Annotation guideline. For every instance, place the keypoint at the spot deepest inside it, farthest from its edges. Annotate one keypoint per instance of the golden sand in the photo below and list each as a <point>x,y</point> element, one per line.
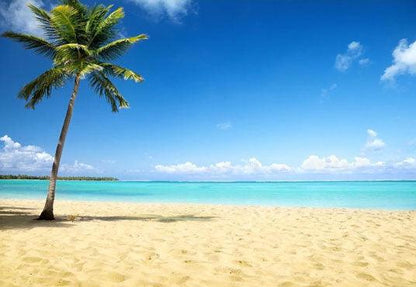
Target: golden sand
<point>123,244</point>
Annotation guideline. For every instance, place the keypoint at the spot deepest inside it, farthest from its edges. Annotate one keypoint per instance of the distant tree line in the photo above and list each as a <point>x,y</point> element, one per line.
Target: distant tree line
<point>24,176</point>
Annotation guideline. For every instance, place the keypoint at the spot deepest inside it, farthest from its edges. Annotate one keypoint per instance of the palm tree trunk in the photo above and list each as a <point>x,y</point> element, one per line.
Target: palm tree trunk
<point>47,213</point>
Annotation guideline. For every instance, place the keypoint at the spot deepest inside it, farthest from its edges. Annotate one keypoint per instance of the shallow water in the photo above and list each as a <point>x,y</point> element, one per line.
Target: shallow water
<point>394,195</point>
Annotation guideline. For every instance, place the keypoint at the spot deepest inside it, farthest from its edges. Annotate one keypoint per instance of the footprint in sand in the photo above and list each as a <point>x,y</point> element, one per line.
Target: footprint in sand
<point>317,284</point>
<point>286,284</point>
<point>235,272</point>
<point>378,258</point>
<point>319,266</point>
<point>396,271</point>
<point>366,277</point>
<point>115,277</point>
<point>152,256</point>
<point>34,259</point>
<point>243,263</point>
<point>183,280</point>
<point>360,264</point>
<point>336,248</point>
<point>63,282</point>
<point>406,265</point>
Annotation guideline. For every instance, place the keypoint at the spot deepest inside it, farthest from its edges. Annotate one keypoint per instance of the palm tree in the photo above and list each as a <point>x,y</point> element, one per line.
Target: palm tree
<point>79,40</point>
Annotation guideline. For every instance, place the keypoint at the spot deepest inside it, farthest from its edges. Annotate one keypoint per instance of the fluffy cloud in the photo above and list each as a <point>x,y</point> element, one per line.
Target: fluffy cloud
<point>16,16</point>
<point>187,167</point>
<point>332,163</point>
<point>312,165</point>
<point>76,168</point>
<point>174,9</point>
<point>224,126</point>
<point>354,51</point>
<point>404,61</point>
<point>17,158</point>
<point>373,142</point>
<point>364,62</point>
<point>251,167</point>
<point>314,162</point>
<point>371,133</point>
<point>409,162</point>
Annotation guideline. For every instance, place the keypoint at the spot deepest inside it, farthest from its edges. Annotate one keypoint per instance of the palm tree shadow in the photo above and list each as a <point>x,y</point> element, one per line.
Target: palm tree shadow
<point>21,217</point>
<point>12,217</point>
<point>150,217</point>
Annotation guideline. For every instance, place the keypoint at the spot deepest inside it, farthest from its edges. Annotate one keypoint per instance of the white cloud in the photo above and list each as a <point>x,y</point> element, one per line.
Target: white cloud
<point>312,167</point>
<point>76,168</point>
<point>404,61</point>
<point>253,166</point>
<point>354,51</point>
<point>16,16</point>
<point>313,164</point>
<point>326,93</point>
<point>373,142</point>
<point>409,162</point>
<point>371,133</point>
<point>174,9</point>
<point>187,167</point>
<point>332,163</point>
<point>354,46</point>
<point>250,167</point>
<point>108,161</point>
<point>364,62</point>
<point>17,158</point>
<point>224,126</point>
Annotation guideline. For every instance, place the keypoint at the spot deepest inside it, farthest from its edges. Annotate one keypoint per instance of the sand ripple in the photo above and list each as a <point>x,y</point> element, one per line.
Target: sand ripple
<point>117,244</point>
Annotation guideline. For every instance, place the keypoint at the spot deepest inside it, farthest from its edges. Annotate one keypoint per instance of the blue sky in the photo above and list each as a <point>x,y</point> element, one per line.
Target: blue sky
<point>233,90</point>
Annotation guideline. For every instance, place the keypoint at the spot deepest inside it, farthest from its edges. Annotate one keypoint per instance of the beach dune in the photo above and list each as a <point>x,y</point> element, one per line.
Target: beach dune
<point>134,244</point>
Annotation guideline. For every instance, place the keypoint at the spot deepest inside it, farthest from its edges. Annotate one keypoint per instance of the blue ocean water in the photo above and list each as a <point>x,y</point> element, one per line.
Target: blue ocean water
<point>394,195</point>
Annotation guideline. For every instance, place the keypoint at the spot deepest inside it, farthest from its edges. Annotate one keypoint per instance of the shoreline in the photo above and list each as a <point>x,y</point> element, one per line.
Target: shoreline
<point>40,202</point>
<point>157,244</point>
<point>230,181</point>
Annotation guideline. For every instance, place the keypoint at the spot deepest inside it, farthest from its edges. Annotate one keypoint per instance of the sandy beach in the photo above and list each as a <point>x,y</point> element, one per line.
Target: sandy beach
<point>128,244</point>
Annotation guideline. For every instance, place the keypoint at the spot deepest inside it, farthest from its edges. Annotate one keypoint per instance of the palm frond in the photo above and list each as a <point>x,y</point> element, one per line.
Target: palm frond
<point>44,18</point>
<point>112,19</point>
<point>104,87</point>
<point>74,47</point>
<point>71,54</point>
<point>80,19</point>
<point>42,86</point>
<point>78,39</point>
<point>38,44</point>
<point>104,31</point>
<point>96,16</point>
<point>89,68</point>
<point>40,14</point>
<point>64,20</point>
<point>81,8</point>
<point>118,47</point>
<point>121,72</point>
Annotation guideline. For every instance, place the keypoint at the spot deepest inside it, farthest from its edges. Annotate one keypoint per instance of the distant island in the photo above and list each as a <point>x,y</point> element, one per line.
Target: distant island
<point>90,178</point>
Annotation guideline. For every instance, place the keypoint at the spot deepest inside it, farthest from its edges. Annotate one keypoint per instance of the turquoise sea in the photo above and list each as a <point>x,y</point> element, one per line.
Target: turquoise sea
<point>394,195</point>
